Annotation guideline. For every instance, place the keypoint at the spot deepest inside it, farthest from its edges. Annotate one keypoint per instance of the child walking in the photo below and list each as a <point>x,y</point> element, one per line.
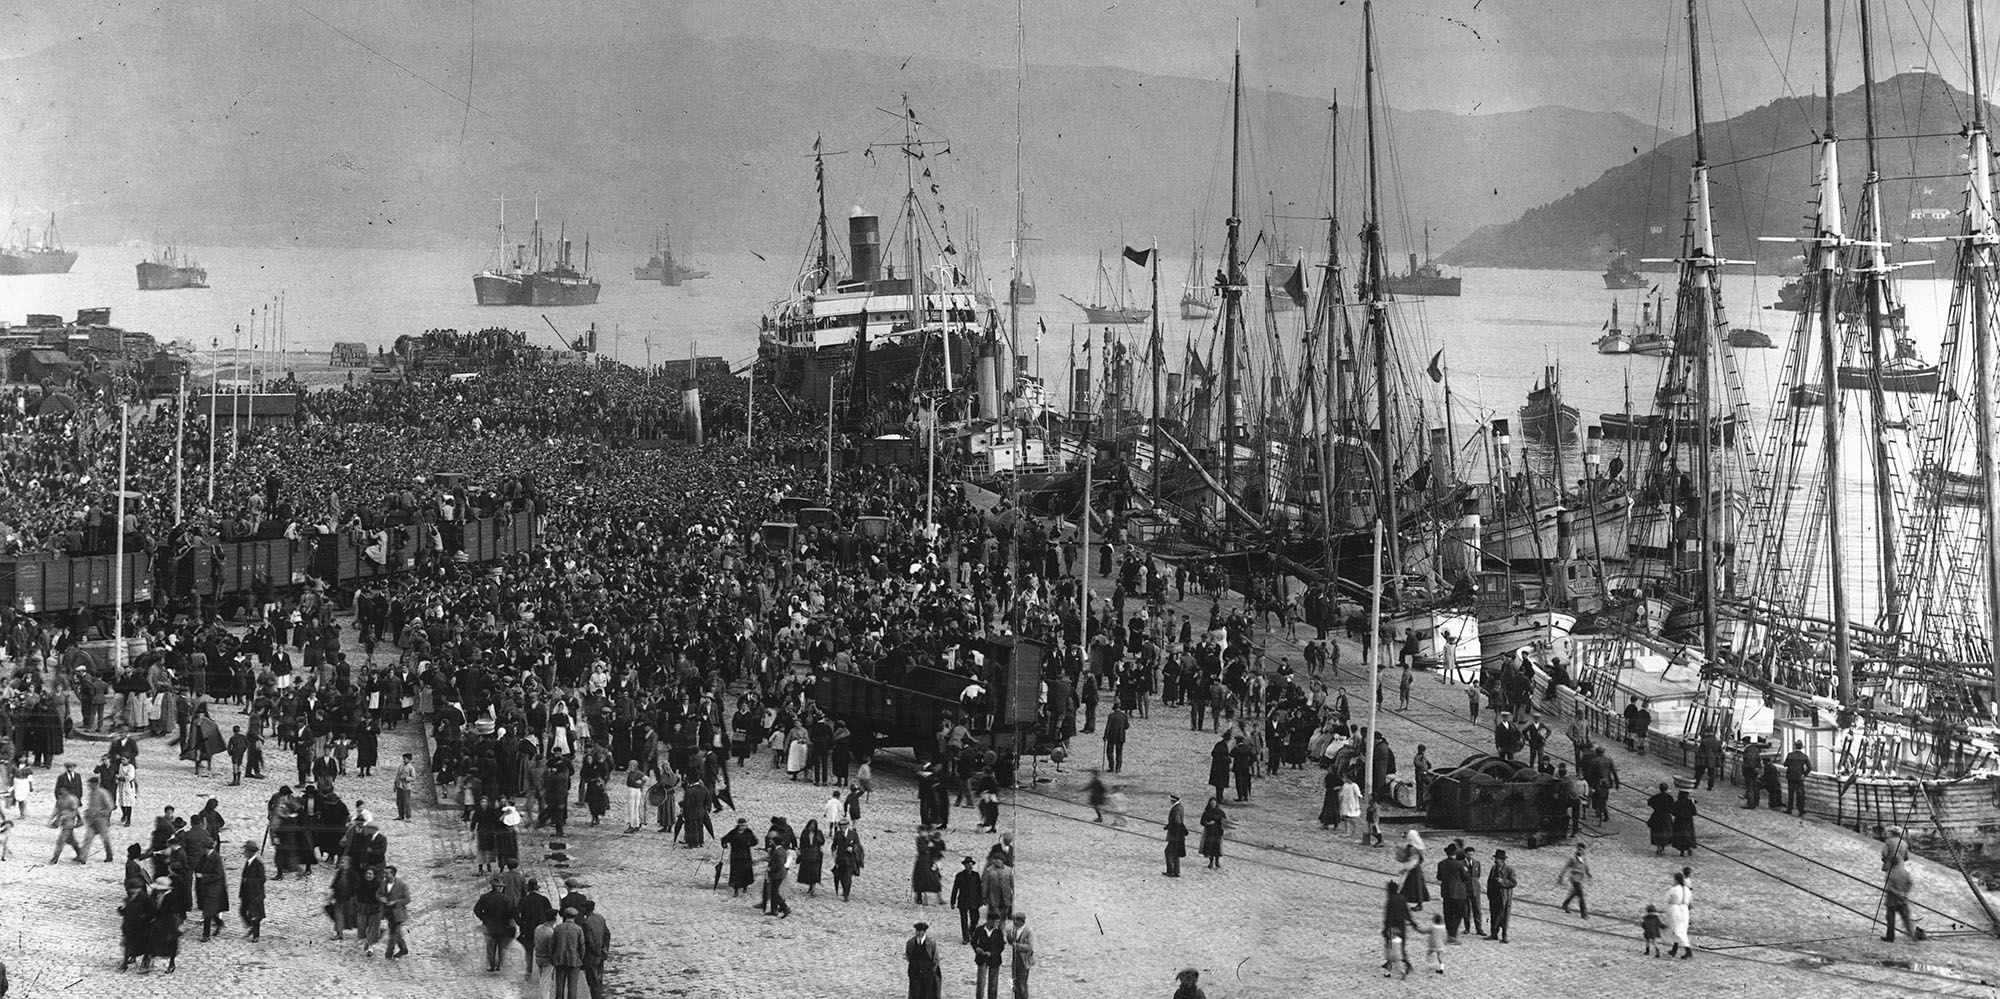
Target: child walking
<point>1651,927</point>
<point>1434,949</point>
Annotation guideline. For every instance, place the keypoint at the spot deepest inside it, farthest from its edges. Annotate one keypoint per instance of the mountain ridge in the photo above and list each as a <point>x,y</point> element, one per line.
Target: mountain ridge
<point>1762,183</point>
<point>262,139</point>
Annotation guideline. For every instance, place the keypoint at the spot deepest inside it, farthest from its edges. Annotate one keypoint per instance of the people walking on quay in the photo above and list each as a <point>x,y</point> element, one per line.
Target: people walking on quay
<point>1575,873</point>
<point>1896,888</point>
<point>1680,899</point>
<point>1396,925</point>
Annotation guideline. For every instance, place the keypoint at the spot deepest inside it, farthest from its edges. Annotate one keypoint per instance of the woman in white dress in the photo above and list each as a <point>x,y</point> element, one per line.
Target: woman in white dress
<point>1679,897</point>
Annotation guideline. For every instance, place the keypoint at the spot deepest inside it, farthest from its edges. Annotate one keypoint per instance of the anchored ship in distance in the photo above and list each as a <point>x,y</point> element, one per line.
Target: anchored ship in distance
<point>37,256</point>
<point>663,266</point>
<point>511,280</point>
<point>169,269</point>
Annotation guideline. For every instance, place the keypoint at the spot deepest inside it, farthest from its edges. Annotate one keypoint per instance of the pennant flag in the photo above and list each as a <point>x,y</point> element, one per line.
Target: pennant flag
<point>1140,257</point>
<point>1436,370</point>
<point>1295,287</point>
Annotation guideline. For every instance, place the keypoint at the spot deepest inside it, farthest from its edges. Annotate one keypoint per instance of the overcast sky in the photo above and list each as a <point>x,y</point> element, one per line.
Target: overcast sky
<point>1456,55</point>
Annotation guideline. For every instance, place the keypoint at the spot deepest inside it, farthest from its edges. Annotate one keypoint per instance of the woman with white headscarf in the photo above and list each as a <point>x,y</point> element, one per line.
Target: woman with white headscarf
<point>1410,862</point>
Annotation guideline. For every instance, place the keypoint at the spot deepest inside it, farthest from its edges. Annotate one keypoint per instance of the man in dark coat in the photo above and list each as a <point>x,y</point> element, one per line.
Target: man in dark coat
<point>1116,724</point>
<point>965,897</point>
<point>921,952</point>
<point>1453,889</point>
<point>1218,766</point>
<point>496,917</point>
<point>1797,766</point>
<point>1708,759</point>
<point>211,890</point>
<point>567,953</point>
<point>695,808</point>
<point>535,911</point>
<point>1177,834</point>
<point>1499,895</point>
<point>989,947</point>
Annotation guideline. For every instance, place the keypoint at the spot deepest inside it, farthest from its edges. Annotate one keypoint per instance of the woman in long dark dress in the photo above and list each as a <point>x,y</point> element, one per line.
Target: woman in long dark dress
<point>485,829</point>
<point>1660,821</point>
<point>1218,767</point>
<point>163,931</point>
<point>1212,818</point>
<point>924,876</point>
<point>1683,831</point>
<point>1416,890</point>
<point>506,840</point>
<point>812,855</point>
<point>848,856</point>
<point>250,891</point>
<point>1329,805</point>
<point>135,926</point>
<point>740,842</point>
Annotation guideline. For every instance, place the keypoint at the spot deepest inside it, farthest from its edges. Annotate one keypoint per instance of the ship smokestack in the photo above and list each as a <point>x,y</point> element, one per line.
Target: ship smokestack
<point>864,244</point>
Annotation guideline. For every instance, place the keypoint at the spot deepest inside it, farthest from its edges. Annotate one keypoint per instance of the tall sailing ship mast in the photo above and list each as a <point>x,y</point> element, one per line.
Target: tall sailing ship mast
<point>1948,580</point>
<point>1692,500</point>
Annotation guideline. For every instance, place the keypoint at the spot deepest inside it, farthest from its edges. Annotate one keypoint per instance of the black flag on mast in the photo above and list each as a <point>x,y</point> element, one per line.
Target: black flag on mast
<point>1140,257</point>
<point>1295,286</point>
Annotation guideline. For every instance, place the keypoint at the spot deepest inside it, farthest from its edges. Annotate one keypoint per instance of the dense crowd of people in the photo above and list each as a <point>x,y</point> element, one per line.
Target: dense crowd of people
<point>652,643</point>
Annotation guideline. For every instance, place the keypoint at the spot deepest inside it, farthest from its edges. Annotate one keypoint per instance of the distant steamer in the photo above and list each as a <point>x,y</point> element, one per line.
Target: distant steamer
<point>511,282</point>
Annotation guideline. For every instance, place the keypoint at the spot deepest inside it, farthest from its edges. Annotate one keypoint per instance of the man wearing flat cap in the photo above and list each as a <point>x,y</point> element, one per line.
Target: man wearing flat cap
<point>922,954</point>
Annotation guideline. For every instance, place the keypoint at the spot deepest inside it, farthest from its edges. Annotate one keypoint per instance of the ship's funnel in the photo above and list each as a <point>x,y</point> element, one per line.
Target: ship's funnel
<point>864,245</point>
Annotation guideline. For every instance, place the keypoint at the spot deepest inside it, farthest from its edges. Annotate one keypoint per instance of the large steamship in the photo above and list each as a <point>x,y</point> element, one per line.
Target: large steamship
<point>883,333</point>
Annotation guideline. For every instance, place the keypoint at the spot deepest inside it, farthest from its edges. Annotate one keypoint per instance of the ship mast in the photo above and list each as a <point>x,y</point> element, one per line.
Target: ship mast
<point>1700,268</point>
<point>1378,311</point>
<point>1020,197</point>
<point>1333,322</point>
<point>501,262</point>
<point>1877,280</point>
<point>1827,245</point>
<point>825,263</point>
<point>1231,290</point>
<point>1979,255</point>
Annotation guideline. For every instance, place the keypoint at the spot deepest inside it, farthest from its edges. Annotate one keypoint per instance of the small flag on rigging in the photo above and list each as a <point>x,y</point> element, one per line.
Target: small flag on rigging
<point>1436,370</point>
<point>1295,287</point>
<point>1140,257</point>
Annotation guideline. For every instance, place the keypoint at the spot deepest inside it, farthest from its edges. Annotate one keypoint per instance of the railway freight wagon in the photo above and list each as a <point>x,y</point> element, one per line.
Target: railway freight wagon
<point>54,585</point>
<point>905,706</point>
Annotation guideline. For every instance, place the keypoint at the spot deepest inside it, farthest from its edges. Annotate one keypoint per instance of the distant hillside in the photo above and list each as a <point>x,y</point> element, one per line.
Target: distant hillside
<point>254,125</point>
<point>1761,183</point>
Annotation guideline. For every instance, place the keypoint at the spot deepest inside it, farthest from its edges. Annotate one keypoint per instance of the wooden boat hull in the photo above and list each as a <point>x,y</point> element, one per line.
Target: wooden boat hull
<point>1598,531</point>
<point>1503,634</point>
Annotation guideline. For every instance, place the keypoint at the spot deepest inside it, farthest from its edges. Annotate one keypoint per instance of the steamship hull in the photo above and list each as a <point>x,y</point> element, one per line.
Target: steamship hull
<point>556,291</point>
<point>901,367</point>
<point>37,262</point>
<point>164,277</point>
<point>500,289</point>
